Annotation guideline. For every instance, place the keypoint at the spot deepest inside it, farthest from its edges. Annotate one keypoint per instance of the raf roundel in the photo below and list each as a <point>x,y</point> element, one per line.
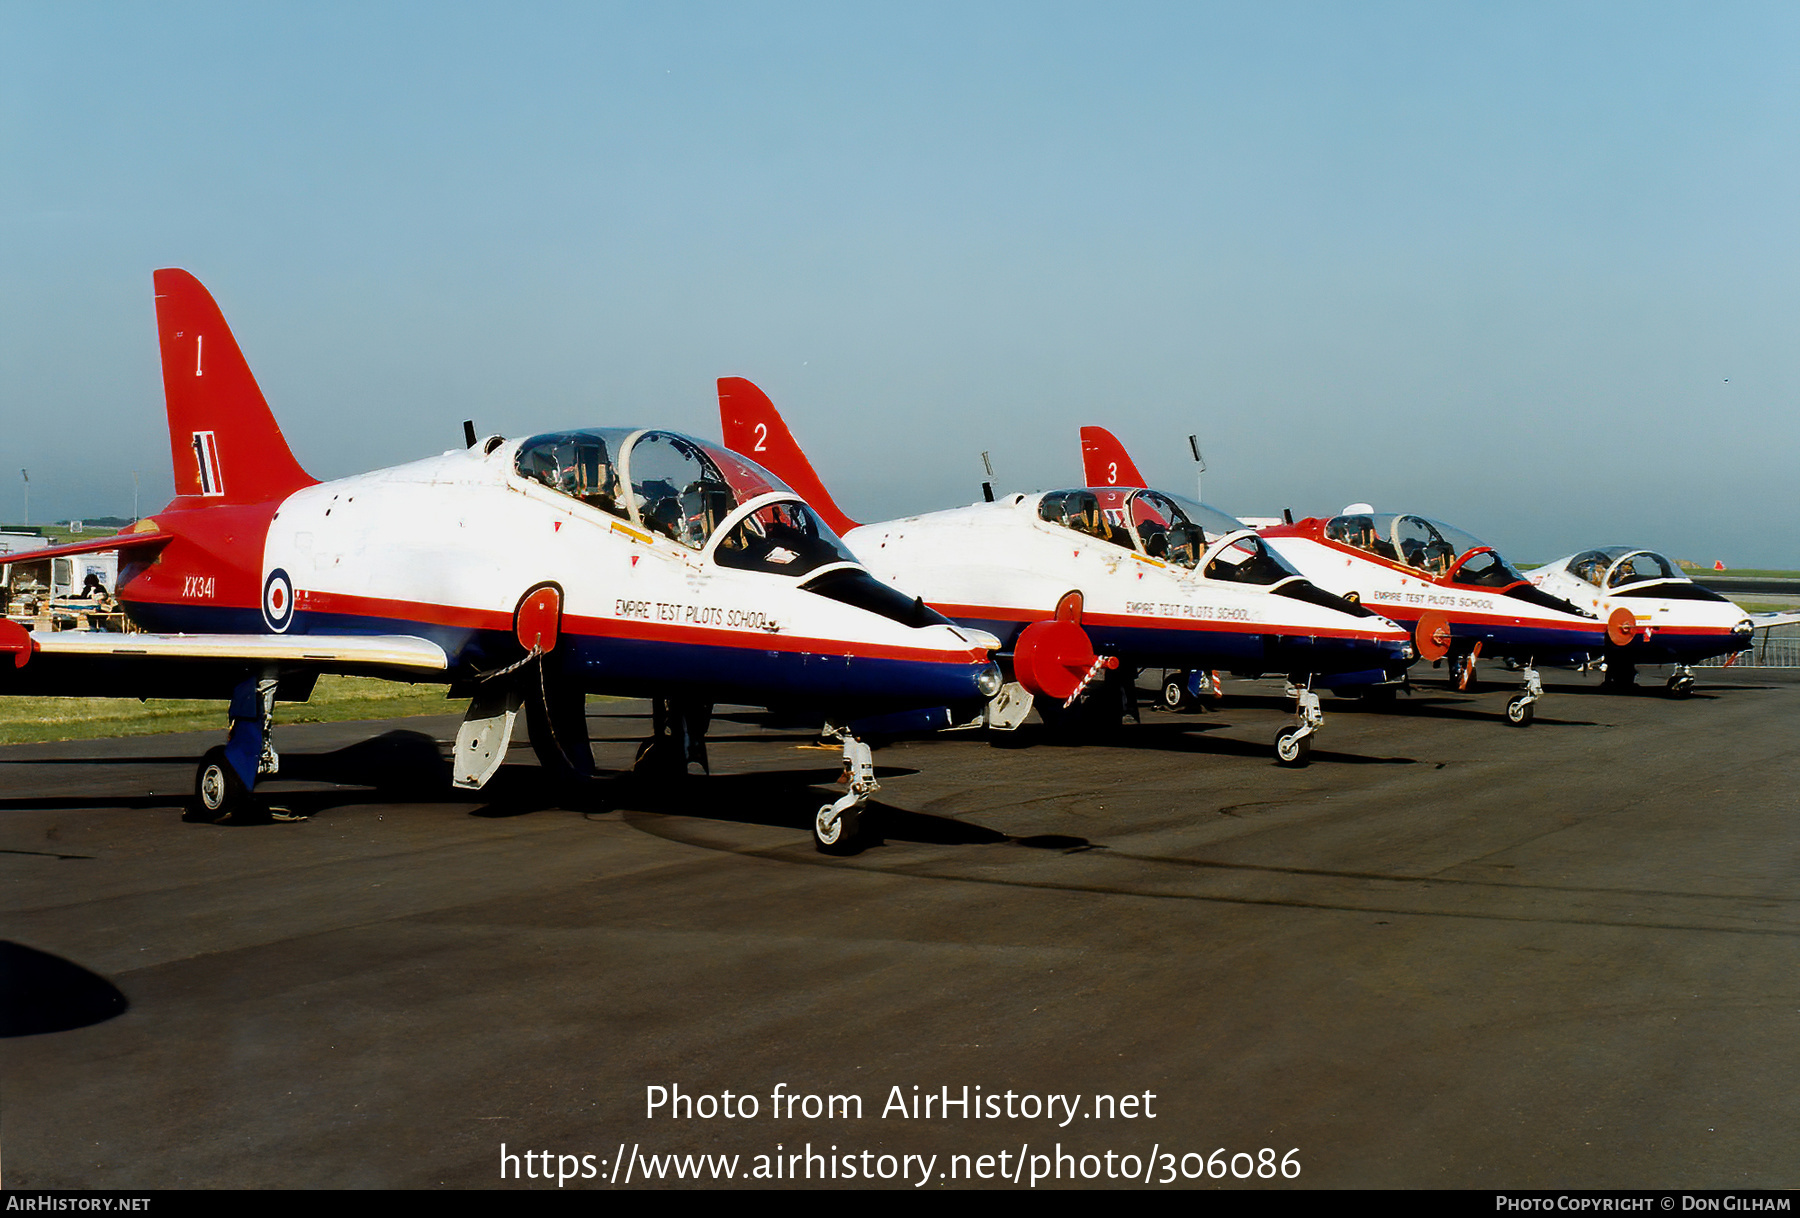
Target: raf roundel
<point>278,600</point>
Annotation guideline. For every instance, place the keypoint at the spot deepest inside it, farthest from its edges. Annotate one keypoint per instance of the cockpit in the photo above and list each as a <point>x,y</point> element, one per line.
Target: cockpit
<point>1165,527</point>
<point>1175,530</point>
<point>1428,546</point>
<point>686,490</point>
<point>1439,551</point>
<point>1623,571</point>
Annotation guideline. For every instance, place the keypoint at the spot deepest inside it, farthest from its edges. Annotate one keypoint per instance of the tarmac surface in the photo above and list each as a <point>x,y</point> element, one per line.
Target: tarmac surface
<point>1448,953</point>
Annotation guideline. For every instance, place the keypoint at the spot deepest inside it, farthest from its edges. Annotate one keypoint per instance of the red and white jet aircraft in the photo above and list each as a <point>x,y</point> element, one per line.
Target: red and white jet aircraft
<point>522,573</point>
<point>1076,583</point>
<point>1678,622</point>
<point>1455,593</point>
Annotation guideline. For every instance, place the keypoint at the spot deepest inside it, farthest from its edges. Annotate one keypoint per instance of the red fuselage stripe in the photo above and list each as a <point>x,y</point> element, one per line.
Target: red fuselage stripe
<point>628,630</point>
<point>1173,625</point>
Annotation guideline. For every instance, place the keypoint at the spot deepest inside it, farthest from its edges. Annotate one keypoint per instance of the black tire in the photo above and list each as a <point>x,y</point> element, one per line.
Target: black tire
<point>1681,685</point>
<point>558,728</point>
<point>845,835</point>
<point>1174,694</point>
<point>1520,710</point>
<point>1292,748</point>
<point>218,791</point>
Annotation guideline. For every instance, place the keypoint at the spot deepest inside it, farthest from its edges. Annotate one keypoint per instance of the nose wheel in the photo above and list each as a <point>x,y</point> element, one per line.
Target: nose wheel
<point>840,827</point>
<point>1681,684</point>
<point>1293,743</point>
<point>1519,710</point>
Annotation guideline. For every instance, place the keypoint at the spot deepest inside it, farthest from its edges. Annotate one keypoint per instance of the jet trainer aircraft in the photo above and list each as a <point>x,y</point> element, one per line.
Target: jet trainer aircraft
<point>1455,593</point>
<point>522,573</point>
<point>1084,587</point>
<point>1678,621</point>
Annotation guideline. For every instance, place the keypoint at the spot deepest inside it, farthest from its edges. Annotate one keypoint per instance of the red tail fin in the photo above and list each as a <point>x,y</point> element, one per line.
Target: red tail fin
<point>754,428</point>
<point>224,442</point>
<point>1104,461</point>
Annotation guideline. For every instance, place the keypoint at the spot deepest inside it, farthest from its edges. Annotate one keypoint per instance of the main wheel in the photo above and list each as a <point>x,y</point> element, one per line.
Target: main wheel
<point>840,836</point>
<point>218,791</point>
<point>556,721</point>
<point>1291,747</point>
<point>1174,694</point>
<point>1519,711</point>
<point>1681,685</point>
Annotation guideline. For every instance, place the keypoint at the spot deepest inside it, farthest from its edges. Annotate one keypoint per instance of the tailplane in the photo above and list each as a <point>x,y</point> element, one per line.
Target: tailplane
<point>754,428</point>
<point>223,440</point>
<point>1104,461</point>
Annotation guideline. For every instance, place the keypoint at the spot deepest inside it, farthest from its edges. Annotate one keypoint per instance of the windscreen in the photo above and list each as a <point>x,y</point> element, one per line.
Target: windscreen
<point>1639,566</point>
<point>1249,560</point>
<point>1486,569</point>
<point>781,538</point>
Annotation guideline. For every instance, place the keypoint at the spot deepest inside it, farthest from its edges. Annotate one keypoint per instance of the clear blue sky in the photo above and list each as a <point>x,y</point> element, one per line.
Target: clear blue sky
<point>1529,268</point>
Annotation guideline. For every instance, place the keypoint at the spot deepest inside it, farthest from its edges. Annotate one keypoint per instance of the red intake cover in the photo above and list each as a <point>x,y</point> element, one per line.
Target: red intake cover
<point>1051,657</point>
<point>1621,626</point>
<point>539,616</point>
<point>1432,637</point>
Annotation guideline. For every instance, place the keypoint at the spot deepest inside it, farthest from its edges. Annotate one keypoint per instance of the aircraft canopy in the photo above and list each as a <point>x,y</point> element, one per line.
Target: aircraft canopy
<point>1176,530</point>
<point>1616,566</point>
<point>684,489</point>
<point>1430,546</point>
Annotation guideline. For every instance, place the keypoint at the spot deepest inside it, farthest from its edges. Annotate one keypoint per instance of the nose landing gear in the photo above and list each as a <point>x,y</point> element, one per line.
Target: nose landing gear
<point>1519,711</point>
<point>1293,743</point>
<point>838,827</point>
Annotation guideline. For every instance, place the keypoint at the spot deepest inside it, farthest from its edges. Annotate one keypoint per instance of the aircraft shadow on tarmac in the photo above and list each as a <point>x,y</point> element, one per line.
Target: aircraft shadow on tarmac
<point>404,766</point>
<point>1420,703</point>
<point>776,808</point>
<point>43,993</point>
<point>1184,734</point>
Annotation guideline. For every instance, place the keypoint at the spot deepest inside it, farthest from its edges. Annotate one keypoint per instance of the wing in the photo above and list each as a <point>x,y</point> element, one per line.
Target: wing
<point>1762,621</point>
<point>99,664</point>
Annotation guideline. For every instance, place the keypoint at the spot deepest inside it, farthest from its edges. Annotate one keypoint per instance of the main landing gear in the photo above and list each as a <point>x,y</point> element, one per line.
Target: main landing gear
<point>839,827</point>
<point>1620,676</point>
<point>227,775</point>
<point>1183,689</point>
<point>677,738</point>
<point>1293,743</point>
<point>1518,709</point>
